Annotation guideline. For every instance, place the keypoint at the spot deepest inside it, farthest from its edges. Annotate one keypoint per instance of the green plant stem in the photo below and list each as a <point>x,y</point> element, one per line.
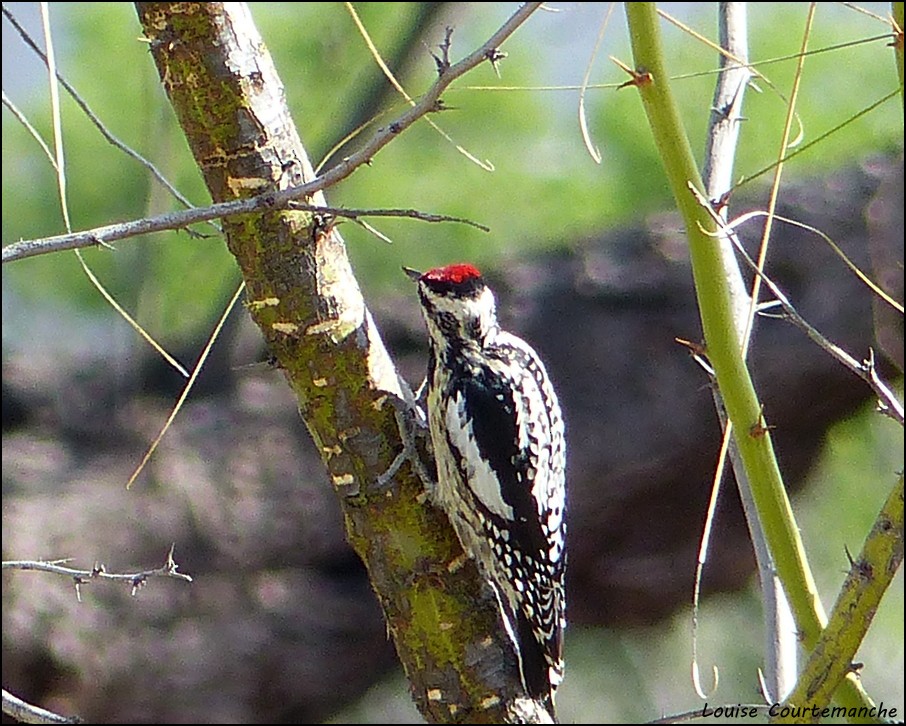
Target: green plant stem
<point>722,341</point>
<point>869,577</point>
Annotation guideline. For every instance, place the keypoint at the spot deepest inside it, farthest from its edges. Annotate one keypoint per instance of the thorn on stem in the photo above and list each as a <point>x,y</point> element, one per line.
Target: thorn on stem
<point>865,571</point>
<point>442,61</point>
<point>637,77</point>
<point>696,348</point>
<point>760,428</point>
<point>897,41</point>
<point>699,353</point>
<point>101,243</point>
<point>720,204</point>
<point>849,556</point>
<point>138,582</point>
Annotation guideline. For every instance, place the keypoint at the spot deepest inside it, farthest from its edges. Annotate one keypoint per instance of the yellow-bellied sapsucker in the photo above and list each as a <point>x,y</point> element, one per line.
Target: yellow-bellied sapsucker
<point>498,440</point>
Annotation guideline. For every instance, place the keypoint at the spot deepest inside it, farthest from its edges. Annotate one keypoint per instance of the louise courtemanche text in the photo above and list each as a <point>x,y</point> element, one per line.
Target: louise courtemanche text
<point>800,712</point>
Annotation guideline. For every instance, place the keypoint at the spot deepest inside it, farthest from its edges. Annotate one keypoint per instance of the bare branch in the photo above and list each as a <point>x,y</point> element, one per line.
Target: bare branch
<point>103,236</point>
<point>409,213</point>
<point>865,369</point>
<point>26,712</point>
<point>22,119</point>
<point>726,112</point>
<point>99,572</point>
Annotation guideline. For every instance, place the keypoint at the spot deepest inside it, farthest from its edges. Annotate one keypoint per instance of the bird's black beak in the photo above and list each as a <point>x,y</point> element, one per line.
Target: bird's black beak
<point>414,275</point>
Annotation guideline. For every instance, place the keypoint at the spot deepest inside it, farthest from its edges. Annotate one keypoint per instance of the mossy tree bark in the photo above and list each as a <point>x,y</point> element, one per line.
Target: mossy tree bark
<point>302,293</point>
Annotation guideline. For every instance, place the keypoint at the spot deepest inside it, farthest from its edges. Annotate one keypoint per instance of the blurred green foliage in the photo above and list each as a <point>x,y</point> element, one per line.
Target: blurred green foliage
<point>545,190</point>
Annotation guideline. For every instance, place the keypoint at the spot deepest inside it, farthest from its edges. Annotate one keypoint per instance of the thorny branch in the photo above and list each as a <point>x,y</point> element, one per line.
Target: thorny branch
<point>25,712</point>
<point>99,572</point>
<point>888,403</point>
<point>103,236</point>
<point>429,103</point>
<point>28,713</point>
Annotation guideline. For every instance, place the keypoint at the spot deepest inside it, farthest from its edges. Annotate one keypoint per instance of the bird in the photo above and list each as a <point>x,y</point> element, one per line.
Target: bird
<point>499,443</point>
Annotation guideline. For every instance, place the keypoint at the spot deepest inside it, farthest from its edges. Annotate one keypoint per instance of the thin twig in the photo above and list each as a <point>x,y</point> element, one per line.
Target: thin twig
<point>865,369</point>
<point>59,156</point>
<point>180,220</point>
<point>196,371</point>
<point>23,119</point>
<point>442,62</point>
<point>723,133</point>
<point>876,289</point>
<point>99,572</point>
<point>590,146</point>
<point>801,148</point>
<point>410,213</point>
<point>781,642</point>
<point>429,103</point>
<point>724,52</point>
<point>27,713</point>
